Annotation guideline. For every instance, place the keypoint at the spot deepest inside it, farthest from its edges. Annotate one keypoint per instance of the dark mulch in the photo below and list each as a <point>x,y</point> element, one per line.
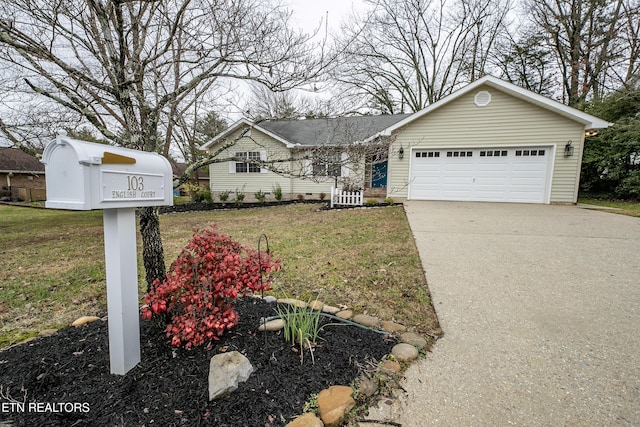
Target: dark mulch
<point>170,386</point>
<point>202,206</point>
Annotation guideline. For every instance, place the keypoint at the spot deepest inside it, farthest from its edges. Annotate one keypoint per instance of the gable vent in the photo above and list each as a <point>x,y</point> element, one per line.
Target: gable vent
<point>482,98</point>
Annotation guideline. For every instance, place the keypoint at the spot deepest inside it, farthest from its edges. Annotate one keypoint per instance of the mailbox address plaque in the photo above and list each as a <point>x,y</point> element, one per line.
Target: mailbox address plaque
<point>119,186</point>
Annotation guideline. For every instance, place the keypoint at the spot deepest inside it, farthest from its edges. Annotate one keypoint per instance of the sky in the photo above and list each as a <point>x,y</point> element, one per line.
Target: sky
<point>307,14</point>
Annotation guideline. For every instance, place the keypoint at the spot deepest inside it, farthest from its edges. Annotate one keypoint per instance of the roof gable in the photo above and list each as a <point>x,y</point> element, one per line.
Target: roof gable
<point>238,125</point>
<point>316,132</point>
<point>589,121</point>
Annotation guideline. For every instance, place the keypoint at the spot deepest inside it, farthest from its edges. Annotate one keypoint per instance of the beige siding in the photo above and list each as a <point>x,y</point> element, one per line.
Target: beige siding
<point>223,180</point>
<point>506,121</point>
<point>292,180</point>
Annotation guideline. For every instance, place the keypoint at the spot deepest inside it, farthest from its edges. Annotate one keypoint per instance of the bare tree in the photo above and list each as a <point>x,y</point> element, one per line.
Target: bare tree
<point>630,38</point>
<point>528,63</point>
<point>489,27</point>
<point>407,54</point>
<point>587,38</point>
<point>140,66</point>
<point>266,104</point>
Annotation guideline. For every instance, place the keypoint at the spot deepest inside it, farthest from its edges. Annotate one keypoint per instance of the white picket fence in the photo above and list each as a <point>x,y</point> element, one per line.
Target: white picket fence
<point>345,198</point>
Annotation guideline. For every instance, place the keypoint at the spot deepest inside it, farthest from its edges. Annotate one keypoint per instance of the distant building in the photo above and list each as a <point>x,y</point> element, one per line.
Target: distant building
<point>21,176</point>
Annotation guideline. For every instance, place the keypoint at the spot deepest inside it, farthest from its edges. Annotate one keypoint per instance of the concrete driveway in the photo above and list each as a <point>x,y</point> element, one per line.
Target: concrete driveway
<point>540,306</point>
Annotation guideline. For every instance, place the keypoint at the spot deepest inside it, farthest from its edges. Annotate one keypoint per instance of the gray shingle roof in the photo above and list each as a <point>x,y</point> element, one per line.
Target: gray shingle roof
<point>16,160</point>
<point>330,131</point>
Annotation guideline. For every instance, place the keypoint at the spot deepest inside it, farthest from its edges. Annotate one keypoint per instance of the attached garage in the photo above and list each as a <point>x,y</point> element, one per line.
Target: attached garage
<point>490,141</point>
<point>492,174</point>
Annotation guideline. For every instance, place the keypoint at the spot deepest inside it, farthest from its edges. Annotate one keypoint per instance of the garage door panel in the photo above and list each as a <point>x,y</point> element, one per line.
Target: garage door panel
<point>519,167</point>
<point>527,181</point>
<point>523,197</point>
<point>490,184</point>
<point>458,169</point>
<point>495,174</point>
<point>489,196</point>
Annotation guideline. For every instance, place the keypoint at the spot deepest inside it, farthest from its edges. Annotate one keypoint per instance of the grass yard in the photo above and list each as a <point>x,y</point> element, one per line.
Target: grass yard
<point>619,207</point>
<point>363,258</point>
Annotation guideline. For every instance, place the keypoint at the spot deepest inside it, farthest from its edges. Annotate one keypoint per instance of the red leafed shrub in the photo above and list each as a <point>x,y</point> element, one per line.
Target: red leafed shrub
<point>210,273</point>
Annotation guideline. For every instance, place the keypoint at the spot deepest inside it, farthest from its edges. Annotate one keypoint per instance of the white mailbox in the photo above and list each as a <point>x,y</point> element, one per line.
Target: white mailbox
<point>84,175</point>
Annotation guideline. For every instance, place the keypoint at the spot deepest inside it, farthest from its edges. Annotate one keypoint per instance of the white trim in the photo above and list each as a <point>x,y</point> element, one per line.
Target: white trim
<point>552,166</point>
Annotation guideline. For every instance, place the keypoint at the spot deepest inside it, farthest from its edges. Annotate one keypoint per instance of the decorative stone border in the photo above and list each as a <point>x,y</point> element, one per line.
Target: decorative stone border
<point>335,402</point>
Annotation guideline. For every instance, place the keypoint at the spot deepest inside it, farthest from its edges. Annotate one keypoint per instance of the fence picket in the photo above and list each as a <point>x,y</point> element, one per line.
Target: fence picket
<point>346,198</point>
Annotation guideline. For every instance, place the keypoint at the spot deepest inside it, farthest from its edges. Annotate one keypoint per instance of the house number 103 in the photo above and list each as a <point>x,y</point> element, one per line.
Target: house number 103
<point>135,183</point>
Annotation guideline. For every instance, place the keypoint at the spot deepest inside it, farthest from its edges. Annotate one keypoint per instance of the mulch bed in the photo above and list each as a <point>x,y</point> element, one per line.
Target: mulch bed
<point>67,381</point>
<point>202,206</point>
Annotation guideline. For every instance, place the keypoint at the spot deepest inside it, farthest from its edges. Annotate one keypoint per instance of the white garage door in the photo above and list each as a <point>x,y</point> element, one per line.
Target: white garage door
<point>487,174</point>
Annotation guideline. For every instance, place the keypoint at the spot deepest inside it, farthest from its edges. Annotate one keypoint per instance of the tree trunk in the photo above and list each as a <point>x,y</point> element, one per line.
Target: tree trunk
<point>152,251</point>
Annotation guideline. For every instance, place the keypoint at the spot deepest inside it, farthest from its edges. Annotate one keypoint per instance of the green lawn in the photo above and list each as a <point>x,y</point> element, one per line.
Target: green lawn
<point>619,207</point>
<point>363,258</point>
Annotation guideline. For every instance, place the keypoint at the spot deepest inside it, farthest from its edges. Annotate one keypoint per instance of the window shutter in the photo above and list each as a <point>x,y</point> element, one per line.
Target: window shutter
<point>232,167</point>
<point>263,158</point>
<point>306,164</point>
<point>344,166</point>
<point>308,167</point>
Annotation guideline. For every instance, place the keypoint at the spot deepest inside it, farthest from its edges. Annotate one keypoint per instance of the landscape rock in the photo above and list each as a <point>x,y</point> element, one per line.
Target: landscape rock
<point>392,327</point>
<point>405,352</point>
<point>272,325</point>
<point>84,320</point>
<point>390,367</point>
<point>345,314</point>
<point>330,309</point>
<point>270,299</point>
<point>306,420</point>
<point>226,370</point>
<point>47,332</point>
<point>413,339</point>
<point>292,301</point>
<point>366,320</point>
<point>334,403</point>
<point>367,386</point>
<point>316,305</point>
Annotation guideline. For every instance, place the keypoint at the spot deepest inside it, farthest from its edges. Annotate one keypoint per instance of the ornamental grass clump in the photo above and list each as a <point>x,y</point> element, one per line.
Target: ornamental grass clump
<point>301,327</point>
<point>198,295</point>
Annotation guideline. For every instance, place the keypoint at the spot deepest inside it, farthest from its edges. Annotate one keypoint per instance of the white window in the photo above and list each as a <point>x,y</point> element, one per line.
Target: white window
<point>327,164</point>
<point>248,167</point>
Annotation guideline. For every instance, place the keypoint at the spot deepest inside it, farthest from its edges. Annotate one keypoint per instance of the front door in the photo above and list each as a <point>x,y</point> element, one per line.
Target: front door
<point>379,175</point>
